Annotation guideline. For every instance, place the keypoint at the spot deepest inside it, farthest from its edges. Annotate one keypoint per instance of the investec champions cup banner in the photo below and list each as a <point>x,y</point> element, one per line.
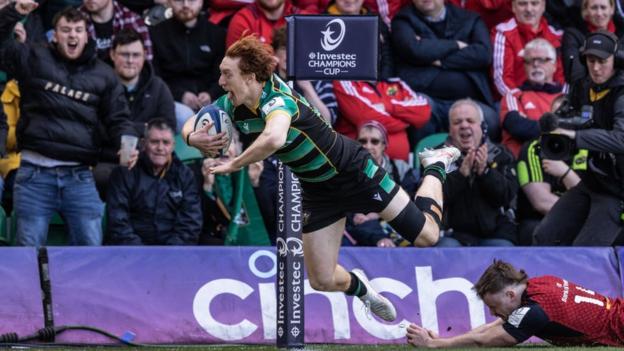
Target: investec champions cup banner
<point>333,47</point>
<point>228,294</point>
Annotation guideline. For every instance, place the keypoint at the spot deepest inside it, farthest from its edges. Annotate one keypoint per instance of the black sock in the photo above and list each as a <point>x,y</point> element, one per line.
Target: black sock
<point>437,170</point>
<point>356,287</point>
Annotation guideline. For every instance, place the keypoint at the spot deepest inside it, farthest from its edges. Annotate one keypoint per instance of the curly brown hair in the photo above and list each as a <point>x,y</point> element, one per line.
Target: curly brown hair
<point>497,276</point>
<point>256,57</point>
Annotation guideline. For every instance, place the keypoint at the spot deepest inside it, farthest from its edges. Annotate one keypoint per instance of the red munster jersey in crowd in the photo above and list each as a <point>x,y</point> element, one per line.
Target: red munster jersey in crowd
<point>564,313</point>
<point>251,20</point>
<point>509,39</point>
<point>391,103</point>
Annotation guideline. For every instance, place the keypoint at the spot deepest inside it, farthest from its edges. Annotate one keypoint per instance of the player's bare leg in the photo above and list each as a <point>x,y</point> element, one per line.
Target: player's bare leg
<point>419,221</point>
<point>321,249</point>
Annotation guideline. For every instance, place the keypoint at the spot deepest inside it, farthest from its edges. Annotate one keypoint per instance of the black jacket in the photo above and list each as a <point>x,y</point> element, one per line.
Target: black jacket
<point>146,209</point>
<point>476,205</point>
<point>414,57</point>
<point>605,139</point>
<point>150,100</point>
<point>188,58</point>
<point>573,38</point>
<point>64,103</point>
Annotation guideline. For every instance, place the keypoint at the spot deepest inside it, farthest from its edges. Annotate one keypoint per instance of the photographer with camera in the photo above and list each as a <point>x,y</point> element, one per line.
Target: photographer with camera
<point>589,213</point>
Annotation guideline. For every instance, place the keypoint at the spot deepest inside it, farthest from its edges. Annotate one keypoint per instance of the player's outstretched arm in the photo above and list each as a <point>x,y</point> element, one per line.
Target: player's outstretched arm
<point>491,334</point>
<point>273,137</point>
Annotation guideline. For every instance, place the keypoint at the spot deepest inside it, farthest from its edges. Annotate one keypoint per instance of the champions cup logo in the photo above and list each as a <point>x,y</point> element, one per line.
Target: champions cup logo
<point>294,245</point>
<point>328,42</point>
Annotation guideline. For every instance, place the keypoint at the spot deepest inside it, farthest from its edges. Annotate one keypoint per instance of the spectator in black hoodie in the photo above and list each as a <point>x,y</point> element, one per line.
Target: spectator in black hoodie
<point>67,94</point>
<point>187,52</point>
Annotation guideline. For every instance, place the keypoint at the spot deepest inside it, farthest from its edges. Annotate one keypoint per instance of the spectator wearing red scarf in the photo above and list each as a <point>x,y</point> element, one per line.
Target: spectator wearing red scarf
<point>510,37</point>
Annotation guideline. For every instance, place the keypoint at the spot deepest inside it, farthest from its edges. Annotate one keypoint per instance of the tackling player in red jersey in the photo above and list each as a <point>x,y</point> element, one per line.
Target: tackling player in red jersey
<point>551,308</point>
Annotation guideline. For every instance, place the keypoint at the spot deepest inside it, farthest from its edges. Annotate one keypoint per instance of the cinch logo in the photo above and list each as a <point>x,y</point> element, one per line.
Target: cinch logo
<point>328,42</point>
<point>296,246</point>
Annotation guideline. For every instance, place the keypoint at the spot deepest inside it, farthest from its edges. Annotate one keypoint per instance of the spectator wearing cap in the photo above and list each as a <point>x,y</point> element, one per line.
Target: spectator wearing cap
<point>589,213</point>
<point>597,15</point>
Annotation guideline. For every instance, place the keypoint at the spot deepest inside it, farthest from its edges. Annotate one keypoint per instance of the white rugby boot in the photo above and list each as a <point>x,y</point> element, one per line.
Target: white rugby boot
<point>375,302</point>
<point>446,155</point>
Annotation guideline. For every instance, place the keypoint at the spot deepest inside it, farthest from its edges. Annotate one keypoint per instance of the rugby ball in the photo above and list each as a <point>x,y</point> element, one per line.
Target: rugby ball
<point>221,123</point>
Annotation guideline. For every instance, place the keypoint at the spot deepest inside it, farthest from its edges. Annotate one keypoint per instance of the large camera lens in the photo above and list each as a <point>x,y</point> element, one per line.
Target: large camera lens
<point>556,147</point>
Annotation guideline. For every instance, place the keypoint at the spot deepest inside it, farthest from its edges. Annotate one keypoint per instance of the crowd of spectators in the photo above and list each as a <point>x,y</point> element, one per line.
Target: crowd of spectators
<point>76,76</point>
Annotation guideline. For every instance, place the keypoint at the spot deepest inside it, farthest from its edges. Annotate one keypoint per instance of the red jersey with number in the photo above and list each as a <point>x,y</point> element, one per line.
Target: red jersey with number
<point>564,313</point>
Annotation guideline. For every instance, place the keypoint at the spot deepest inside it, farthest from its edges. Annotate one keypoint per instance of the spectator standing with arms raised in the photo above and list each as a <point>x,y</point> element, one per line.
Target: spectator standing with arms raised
<point>68,93</point>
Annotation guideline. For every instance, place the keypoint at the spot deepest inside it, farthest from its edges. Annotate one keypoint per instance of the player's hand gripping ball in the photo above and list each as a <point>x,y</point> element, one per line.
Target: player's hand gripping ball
<point>221,123</point>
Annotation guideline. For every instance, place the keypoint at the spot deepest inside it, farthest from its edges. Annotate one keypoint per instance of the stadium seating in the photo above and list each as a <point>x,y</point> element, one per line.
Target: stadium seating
<point>185,153</point>
<point>429,141</point>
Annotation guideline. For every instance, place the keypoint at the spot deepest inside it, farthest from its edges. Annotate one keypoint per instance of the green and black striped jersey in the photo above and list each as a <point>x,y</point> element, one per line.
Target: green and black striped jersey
<point>313,150</point>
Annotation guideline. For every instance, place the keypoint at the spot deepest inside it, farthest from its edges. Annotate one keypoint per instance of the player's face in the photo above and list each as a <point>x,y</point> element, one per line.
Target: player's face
<point>465,127</point>
<point>372,140</point>
<point>528,11</point>
<point>128,60</point>
<point>159,146</point>
<point>70,38</point>
<point>599,12</point>
<point>600,70</point>
<point>236,84</point>
<point>502,303</point>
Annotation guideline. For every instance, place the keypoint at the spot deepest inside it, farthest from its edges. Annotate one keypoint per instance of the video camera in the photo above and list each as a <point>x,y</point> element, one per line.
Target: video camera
<point>560,147</point>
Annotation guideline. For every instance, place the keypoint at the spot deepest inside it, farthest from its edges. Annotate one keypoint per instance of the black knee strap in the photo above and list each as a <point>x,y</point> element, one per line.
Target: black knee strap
<point>430,206</point>
<point>409,222</point>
